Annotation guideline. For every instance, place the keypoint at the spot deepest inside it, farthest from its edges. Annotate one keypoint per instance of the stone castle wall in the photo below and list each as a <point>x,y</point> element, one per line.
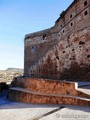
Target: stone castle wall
<point>63,51</point>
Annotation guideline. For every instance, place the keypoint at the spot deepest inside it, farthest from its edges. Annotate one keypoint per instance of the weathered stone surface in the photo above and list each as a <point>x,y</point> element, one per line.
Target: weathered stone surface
<point>22,96</point>
<point>45,86</point>
<point>63,51</point>
<point>60,53</point>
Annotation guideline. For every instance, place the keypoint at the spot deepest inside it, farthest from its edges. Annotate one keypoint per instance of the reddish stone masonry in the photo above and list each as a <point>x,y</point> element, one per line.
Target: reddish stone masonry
<point>20,96</point>
<point>36,90</point>
<point>61,52</point>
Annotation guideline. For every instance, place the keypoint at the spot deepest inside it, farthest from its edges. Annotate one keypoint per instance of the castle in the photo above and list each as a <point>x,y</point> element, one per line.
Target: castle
<point>55,55</point>
<point>51,53</point>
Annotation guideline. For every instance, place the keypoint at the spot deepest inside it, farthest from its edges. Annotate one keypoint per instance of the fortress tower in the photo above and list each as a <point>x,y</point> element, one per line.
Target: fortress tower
<point>52,52</point>
<point>55,55</point>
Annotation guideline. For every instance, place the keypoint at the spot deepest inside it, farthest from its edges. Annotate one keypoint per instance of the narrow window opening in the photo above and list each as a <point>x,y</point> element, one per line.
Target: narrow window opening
<point>71,24</point>
<point>88,56</point>
<point>71,16</point>
<point>85,3</point>
<point>33,49</point>
<point>44,37</point>
<point>85,13</point>
<point>63,31</point>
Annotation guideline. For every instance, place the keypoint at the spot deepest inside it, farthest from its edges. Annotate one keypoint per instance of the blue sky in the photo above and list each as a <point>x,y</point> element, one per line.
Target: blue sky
<point>20,17</point>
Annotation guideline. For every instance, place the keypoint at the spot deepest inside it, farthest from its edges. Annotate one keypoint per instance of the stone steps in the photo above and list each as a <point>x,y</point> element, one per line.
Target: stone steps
<point>24,95</point>
<point>56,95</point>
<point>83,90</point>
<point>48,86</point>
<point>45,91</point>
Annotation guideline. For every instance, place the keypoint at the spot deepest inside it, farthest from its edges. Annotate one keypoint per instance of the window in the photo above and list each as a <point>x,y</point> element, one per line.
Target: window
<point>63,31</point>
<point>85,13</point>
<point>44,37</point>
<point>88,56</point>
<point>85,3</point>
<point>61,25</point>
<point>71,16</point>
<point>71,24</point>
<point>33,49</point>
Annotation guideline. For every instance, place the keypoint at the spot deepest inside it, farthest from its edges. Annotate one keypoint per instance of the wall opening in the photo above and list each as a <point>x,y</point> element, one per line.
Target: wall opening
<point>88,56</point>
<point>86,12</point>
<point>63,51</point>
<point>71,16</point>
<point>71,23</point>
<point>72,49</point>
<point>85,3</point>
<point>44,37</point>
<point>81,43</point>
<point>63,31</point>
<point>57,57</point>
<point>33,49</point>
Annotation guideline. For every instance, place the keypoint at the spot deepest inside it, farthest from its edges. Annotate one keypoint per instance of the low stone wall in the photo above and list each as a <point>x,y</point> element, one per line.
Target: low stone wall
<point>20,96</point>
<point>46,86</point>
